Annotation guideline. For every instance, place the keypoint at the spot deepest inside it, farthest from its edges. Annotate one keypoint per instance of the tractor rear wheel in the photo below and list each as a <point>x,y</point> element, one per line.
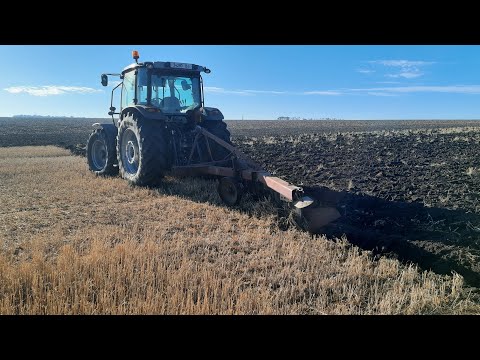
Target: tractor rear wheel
<point>101,153</point>
<point>219,129</point>
<point>142,150</point>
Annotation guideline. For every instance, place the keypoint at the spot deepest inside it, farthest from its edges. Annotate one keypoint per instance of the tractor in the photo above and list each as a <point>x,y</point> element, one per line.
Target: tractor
<point>164,128</point>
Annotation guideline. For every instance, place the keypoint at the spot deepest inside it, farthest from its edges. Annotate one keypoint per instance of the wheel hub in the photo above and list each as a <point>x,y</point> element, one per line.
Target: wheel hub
<point>230,191</point>
<point>99,154</point>
<point>131,152</point>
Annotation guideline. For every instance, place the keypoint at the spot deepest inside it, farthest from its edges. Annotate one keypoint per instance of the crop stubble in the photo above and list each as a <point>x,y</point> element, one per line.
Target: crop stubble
<point>73,243</point>
<point>411,187</point>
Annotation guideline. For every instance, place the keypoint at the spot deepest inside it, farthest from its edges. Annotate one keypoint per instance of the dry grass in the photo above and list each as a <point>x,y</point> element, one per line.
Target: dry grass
<point>75,244</point>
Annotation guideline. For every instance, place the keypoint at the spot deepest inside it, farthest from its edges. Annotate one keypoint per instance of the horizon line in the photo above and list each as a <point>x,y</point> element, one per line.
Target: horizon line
<point>20,116</point>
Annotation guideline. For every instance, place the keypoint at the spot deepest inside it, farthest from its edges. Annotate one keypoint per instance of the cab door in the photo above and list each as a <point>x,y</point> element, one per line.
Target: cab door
<point>128,89</point>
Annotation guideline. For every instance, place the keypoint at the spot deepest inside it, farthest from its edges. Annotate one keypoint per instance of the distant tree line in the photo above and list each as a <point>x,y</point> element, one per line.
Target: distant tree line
<point>299,118</point>
<point>45,116</point>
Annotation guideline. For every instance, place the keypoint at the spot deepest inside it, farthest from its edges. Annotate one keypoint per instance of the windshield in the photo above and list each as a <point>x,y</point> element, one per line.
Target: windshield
<point>171,93</point>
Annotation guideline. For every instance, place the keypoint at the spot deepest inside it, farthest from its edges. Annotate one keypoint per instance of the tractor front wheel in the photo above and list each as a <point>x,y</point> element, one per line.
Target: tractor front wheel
<point>101,153</point>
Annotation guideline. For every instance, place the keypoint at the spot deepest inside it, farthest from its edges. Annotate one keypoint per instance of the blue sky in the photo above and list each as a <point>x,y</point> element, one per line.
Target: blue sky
<point>260,81</point>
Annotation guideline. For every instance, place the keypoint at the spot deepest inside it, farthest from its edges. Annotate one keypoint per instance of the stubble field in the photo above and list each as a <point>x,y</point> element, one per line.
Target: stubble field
<point>408,191</point>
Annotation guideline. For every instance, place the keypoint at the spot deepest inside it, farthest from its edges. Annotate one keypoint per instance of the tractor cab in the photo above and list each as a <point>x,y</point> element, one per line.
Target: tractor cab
<point>172,91</point>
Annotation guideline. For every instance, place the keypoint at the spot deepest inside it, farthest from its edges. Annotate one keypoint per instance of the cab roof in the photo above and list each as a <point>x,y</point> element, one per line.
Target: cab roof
<point>168,65</point>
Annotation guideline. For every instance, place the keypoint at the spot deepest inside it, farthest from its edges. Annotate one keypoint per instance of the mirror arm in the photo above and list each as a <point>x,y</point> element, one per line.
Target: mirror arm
<point>112,109</point>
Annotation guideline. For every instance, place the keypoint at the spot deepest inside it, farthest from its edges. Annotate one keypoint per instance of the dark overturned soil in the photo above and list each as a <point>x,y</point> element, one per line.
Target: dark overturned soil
<point>413,193</point>
<point>410,189</point>
<point>73,131</point>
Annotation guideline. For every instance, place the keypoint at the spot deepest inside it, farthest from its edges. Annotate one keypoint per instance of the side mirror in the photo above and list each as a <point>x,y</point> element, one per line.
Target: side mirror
<point>104,80</point>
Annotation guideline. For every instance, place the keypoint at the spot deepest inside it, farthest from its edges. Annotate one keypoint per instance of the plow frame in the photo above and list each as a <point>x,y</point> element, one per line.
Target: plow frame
<point>235,165</point>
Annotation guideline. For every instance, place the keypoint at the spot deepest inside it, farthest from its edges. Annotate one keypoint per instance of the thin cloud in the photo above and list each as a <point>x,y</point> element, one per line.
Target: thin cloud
<point>365,71</point>
<point>401,63</point>
<point>451,89</point>
<point>49,90</point>
<point>406,74</point>
<point>388,82</point>
<point>274,92</point>
<point>377,93</point>
<point>398,90</point>
<point>408,69</point>
<point>219,90</point>
<point>322,92</point>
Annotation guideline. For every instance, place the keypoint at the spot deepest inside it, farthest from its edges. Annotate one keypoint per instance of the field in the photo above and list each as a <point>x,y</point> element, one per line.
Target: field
<point>408,192</point>
<point>414,191</point>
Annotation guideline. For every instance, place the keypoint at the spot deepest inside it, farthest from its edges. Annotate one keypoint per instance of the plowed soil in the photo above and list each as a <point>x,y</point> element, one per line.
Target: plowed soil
<point>413,193</point>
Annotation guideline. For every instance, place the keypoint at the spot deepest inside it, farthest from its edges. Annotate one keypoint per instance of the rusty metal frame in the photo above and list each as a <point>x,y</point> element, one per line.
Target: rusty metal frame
<point>237,165</point>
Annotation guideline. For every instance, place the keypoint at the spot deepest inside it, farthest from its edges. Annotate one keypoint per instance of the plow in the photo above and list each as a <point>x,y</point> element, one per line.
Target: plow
<point>164,129</point>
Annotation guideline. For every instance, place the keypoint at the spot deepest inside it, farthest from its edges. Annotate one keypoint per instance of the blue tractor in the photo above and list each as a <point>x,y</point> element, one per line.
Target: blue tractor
<point>163,127</point>
<point>161,103</point>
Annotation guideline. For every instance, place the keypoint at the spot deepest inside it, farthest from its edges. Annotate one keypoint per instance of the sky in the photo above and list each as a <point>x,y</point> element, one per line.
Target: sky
<point>257,81</point>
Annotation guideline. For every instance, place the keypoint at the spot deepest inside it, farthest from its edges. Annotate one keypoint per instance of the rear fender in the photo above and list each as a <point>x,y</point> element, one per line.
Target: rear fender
<point>143,112</point>
<point>212,114</point>
<point>109,129</point>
